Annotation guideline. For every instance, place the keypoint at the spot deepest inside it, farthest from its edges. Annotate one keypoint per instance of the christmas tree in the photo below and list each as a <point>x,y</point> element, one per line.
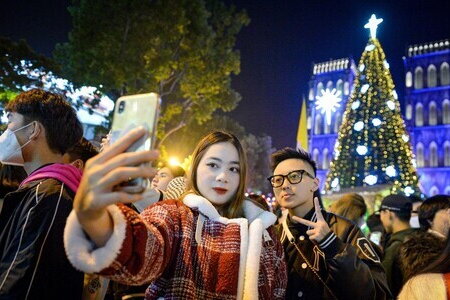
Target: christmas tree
<point>373,145</point>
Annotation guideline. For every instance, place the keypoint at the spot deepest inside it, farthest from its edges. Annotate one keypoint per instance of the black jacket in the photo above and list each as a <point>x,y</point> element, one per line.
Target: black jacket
<point>349,266</point>
<point>391,260</point>
<point>33,263</point>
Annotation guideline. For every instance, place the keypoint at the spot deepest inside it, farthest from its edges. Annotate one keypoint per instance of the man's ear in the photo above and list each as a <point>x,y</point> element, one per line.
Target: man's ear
<point>37,130</point>
<point>316,184</point>
<point>78,163</point>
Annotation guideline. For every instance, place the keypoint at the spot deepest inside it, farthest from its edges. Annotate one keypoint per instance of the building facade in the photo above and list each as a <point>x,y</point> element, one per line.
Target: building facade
<point>427,113</point>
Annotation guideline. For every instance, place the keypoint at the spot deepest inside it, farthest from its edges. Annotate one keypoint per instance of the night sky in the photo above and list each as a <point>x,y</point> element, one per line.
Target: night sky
<point>277,49</point>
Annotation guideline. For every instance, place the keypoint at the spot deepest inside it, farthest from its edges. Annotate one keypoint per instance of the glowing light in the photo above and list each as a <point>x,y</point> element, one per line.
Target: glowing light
<point>335,183</point>
<point>390,104</point>
<point>405,138</point>
<point>362,150</point>
<point>370,47</point>
<point>173,161</point>
<point>372,25</point>
<point>361,67</point>
<point>386,64</point>
<point>394,93</point>
<point>376,122</point>
<point>328,103</point>
<point>409,191</point>
<point>358,126</point>
<point>391,172</point>
<point>371,179</point>
<point>414,163</point>
<point>364,88</point>
<point>356,104</point>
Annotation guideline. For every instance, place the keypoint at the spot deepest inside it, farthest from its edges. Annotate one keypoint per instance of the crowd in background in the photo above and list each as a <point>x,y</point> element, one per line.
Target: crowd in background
<point>69,232</point>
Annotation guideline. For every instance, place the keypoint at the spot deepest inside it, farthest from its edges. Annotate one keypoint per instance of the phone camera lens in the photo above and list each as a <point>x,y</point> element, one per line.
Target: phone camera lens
<point>121,106</point>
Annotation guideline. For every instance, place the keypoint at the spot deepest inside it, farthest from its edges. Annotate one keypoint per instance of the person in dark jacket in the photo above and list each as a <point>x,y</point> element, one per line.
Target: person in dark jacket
<point>42,126</point>
<point>328,257</point>
<point>395,212</point>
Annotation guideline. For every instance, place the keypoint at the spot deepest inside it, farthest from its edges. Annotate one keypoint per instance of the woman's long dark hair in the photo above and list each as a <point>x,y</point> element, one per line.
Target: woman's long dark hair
<point>442,263</point>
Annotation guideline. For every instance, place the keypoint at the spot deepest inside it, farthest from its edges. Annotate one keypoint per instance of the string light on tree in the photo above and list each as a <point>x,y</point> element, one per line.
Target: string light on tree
<point>373,144</point>
<point>328,102</point>
<point>409,191</point>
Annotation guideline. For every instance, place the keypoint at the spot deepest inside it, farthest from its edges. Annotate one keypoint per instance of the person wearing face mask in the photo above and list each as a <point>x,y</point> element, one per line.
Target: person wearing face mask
<point>328,257</point>
<point>209,244</point>
<point>416,202</point>
<point>42,126</point>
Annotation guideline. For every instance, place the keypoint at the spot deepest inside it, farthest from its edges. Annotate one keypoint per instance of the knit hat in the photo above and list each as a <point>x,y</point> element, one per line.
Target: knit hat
<point>175,188</point>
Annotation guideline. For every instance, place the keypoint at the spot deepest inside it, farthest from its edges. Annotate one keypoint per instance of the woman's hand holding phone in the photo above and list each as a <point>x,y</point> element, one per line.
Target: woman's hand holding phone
<point>101,174</point>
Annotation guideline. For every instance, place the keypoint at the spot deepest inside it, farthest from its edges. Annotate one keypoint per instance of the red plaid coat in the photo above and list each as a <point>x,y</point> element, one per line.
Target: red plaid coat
<point>186,250</point>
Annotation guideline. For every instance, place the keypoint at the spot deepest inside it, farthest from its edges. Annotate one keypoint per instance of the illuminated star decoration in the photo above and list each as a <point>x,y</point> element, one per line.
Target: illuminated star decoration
<point>328,103</point>
<point>372,25</point>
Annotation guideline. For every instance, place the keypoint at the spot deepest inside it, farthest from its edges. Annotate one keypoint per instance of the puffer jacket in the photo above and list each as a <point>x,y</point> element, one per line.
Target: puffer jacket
<point>344,260</point>
<point>186,250</point>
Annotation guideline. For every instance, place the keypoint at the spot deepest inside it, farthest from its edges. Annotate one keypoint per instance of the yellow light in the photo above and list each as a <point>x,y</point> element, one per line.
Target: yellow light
<point>173,161</point>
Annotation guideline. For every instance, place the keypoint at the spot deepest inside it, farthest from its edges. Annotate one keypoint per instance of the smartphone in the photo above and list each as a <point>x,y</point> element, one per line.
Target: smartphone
<point>130,112</point>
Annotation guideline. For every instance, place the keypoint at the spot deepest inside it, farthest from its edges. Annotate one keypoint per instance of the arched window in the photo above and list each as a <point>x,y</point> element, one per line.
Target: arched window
<point>446,111</point>
<point>326,159</point>
<point>432,113</point>
<point>337,122</point>
<point>447,154</point>
<point>433,155</point>
<point>408,112</point>
<point>346,88</point>
<point>445,74</point>
<point>340,86</point>
<point>326,126</point>
<point>419,114</point>
<point>419,155</point>
<point>319,89</point>
<point>431,76</point>
<point>316,157</point>
<point>311,94</point>
<point>330,85</point>
<point>418,78</point>
<point>434,191</point>
<point>318,124</point>
<point>447,191</point>
<point>408,79</point>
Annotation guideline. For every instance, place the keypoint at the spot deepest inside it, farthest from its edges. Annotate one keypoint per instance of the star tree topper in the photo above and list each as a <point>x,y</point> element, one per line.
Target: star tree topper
<point>373,25</point>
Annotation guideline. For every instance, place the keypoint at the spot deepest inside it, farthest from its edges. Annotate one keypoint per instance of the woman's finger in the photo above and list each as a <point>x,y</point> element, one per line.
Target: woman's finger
<point>310,232</point>
<point>107,199</point>
<point>120,146</point>
<point>123,174</point>
<point>128,159</point>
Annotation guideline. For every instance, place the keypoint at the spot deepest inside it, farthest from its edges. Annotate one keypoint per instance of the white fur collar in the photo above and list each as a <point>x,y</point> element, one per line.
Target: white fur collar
<point>251,211</point>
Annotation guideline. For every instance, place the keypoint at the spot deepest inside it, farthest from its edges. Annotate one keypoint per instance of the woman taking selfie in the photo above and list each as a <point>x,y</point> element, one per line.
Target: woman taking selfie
<point>210,245</point>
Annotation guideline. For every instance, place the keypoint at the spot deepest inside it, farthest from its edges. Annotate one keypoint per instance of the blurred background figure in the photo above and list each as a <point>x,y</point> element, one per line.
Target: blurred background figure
<point>416,202</point>
<point>434,215</point>
<point>80,153</point>
<point>10,179</point>
<point>432,281</point>
<point>165,174</point>
<point>375,229</point>
<point>352,207</point>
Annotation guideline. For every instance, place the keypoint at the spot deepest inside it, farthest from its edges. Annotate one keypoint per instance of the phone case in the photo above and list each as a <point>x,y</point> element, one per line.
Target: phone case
<point>130,112</point>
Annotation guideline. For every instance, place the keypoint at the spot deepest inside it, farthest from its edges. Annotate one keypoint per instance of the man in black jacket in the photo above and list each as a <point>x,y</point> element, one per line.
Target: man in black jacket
<point>42,126</point>
<point>328,257</point>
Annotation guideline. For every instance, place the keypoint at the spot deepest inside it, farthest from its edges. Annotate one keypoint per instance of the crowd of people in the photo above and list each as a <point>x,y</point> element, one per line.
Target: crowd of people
<point>68,231</point>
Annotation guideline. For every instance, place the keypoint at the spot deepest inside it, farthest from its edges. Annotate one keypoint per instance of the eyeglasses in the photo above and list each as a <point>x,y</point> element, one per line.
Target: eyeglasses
<point>293,177</point>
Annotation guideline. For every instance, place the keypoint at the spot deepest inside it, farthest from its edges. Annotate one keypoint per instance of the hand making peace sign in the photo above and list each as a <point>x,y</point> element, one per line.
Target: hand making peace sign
<point>320,228</point>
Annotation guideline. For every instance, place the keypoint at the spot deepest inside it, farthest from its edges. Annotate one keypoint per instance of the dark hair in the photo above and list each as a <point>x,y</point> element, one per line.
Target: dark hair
<point>402,215</point>
<point>10,178</point>
<point>62,128</point>
<point>430,207</point>
<point>287,153</point>
<point>83,150</point>
<point>234,208</point>
<point>259,201</point>
<point>442,263</point>
<point>176,171</point>
<point>374,223</point>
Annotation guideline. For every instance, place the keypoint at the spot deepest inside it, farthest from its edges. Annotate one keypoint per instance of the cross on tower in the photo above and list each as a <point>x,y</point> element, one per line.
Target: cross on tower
<point>372,25</point>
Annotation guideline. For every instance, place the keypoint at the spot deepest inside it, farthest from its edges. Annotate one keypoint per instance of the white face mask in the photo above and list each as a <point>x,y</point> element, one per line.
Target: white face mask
<point>10,149</point>
<point>414,222</point>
